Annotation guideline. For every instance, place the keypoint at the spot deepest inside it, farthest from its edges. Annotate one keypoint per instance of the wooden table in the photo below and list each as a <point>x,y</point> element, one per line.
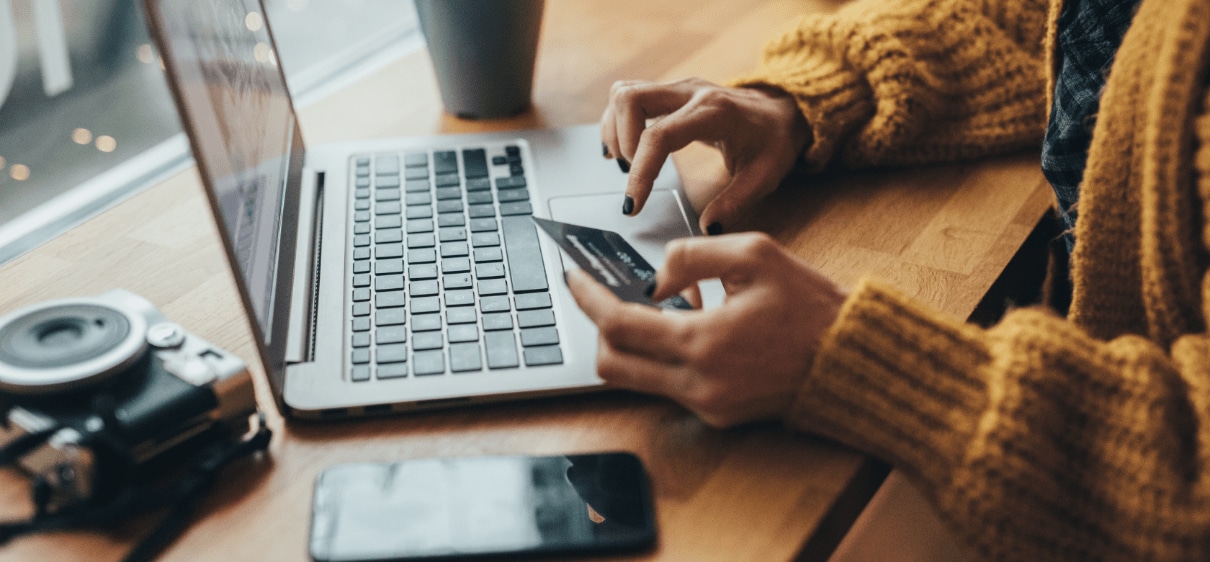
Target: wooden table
<point>759,492</point>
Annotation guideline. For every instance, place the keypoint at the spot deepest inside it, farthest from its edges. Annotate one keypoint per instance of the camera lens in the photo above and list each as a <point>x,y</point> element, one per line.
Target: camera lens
<point>61,345</point>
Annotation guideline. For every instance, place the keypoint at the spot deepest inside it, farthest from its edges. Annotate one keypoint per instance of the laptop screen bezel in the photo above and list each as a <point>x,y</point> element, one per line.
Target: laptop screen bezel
<point>272,349</point>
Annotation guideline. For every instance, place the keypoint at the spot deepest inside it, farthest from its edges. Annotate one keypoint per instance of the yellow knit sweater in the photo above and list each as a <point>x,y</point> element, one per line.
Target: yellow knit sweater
<point>1042,437</point>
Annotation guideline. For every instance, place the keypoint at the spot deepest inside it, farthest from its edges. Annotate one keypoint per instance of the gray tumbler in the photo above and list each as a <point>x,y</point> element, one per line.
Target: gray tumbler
<point>483,53</point>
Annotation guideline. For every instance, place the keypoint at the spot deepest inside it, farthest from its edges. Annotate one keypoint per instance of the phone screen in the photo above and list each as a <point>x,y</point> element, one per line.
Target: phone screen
<point>479,506</point>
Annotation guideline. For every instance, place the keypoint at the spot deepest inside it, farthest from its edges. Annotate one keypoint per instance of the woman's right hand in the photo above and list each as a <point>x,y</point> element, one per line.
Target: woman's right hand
<point>760,132</point>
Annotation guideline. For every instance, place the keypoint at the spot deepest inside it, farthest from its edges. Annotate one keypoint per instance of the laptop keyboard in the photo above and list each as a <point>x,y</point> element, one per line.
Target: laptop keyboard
<point>447,273</point>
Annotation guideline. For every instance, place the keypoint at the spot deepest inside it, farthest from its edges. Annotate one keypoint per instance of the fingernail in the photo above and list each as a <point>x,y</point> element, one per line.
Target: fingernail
<point>624,165</point>
<point>714,229</point>
<point>604,150</point>
<point>650,290</point>
<point>628,205</point>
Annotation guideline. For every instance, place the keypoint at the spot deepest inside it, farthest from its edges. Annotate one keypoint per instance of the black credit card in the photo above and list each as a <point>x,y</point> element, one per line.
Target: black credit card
<point>609,259</point>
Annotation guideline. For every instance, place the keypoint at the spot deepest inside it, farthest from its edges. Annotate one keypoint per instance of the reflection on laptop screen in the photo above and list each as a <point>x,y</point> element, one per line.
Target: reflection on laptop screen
<point>239,110</point>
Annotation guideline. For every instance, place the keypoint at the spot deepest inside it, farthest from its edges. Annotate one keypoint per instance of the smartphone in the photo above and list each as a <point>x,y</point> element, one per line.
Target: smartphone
<point>482,507</point>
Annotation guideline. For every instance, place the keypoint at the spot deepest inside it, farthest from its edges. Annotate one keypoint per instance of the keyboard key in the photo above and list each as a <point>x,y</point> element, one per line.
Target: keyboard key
<point>388,236</point>
<point>416,173</point>
<point>457,281</point>
<point>361,228</point>
<point>461,315</point>
<point>533,300</point>
<point>361,309</point>
<point>424,288</point>
<point>361,339</point>
<point>484,239</point>
<point>454,250</point>
<point>544,355</point>
<point>426,322</point>
<point>360,356</point>
<point>474,185</point>
<point>386,165</point>
<point>390,317</point>
<point>388,283</point>
<point>511,195</point>
<point>385,182</point>
<point>425,304</point>
<point>501,350</point>
<point>510,182</point>
<point>499,161</point>
<point>479,198</point>
<point>481,211</point>
<point>384,251</point>
<point>413,159</point>
<point>422,255</point>
<point>392,371</point>
<point>418,226</point>
<point>448,193</point>
<point>387,195</point>
<point>421,212</point>
<point>455,265</point>
<point>525,266</point>
<point>387,208</point>
<point>428,363</point>
<point>464,297</point>
<point>422,271</point>
<point>362,193</point>
<point>493,287</point>
<point>449,206</point>
<point>386,267</point>
<point>517,208</point>
<point>390,299</point>
<point>483,225</point>
<point>461,333</point>
<point>535,318</point>
<point>361,280</point>
<point>421,240</point>
<point>445,162</point>
<point>451,219</point>
<point>453,234</point>
<point>362,204</point>
<point>489,270</point>
<point>465,357</point>
<point>394,353</point>
<point>494,304</point>
<point>392,334</point>
<point>488,255</point>
<point>418,198</point>
<point>474,163</point>
<point>361,253</point>
<point>428,340</point>
<point>360,373</point>
<point>539,336</point>
<point>360,295</point>
<point>388,221</point>
<point>361,240</point>
<point>497,321</point>
<point>361,216</point>
<point>447,180</point>
<point>361,324</point>
<point>512,150</point>
<point>414,186</point>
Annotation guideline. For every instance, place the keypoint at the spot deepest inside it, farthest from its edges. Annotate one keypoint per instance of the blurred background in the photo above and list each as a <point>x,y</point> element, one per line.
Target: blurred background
<point>86,118</point>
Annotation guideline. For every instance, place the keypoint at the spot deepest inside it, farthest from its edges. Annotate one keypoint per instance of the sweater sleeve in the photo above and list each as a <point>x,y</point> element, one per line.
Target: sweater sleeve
<point>914,81</point>
<point>1034,440</point>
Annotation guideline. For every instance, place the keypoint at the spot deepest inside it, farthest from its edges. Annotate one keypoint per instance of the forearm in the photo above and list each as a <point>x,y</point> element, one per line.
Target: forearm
<point>1034,440</point>
<point>915,81</point>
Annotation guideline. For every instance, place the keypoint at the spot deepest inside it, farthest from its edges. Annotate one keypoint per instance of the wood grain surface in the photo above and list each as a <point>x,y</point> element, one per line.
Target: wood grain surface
<point>758,492</point>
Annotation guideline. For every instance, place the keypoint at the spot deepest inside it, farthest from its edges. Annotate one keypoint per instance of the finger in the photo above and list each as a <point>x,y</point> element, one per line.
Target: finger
<point>609,133</point>
<point>670,134</point>
<point>732,258</point>
<point>693,294</point>
<point>635,102</point>
<point>748,185</point>
<point>639,373</point>
<point>632,327</point>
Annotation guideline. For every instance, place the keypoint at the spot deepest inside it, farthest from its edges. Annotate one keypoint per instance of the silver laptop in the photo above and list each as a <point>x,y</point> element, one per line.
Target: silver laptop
<point>395,275</point>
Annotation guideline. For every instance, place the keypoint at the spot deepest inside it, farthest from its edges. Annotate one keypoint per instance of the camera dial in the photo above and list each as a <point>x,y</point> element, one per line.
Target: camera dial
<point>67,345</point>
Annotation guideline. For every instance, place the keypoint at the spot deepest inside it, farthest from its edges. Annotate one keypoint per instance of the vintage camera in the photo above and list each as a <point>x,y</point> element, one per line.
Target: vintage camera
<point>99,393</point>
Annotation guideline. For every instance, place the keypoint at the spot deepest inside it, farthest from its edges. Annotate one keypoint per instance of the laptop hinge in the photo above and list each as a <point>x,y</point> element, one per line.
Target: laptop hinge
<point>306,267</point>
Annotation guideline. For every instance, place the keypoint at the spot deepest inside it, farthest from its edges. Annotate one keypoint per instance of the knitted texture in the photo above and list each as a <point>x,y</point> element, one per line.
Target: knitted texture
<point>1041,438</point>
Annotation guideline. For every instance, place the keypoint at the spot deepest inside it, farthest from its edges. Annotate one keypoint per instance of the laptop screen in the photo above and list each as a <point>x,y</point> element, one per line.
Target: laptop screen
<point>242,125</point>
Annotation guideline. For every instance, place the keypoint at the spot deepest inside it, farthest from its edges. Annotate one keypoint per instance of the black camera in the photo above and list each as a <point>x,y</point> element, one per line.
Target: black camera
<point>99,393</point>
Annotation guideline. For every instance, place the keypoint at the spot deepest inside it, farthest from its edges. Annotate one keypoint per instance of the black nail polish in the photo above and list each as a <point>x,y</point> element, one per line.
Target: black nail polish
<point>604,150</point>
<point>650,290</point>
<point>714,229</point>
<point>628,205</point>
<point>624,165</point>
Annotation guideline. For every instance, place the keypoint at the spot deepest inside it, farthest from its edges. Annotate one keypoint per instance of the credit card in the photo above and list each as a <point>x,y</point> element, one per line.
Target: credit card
<point>609,259</point>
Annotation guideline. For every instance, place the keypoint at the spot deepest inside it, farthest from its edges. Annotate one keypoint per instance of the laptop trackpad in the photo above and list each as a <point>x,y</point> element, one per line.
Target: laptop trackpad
<point>662,219</point>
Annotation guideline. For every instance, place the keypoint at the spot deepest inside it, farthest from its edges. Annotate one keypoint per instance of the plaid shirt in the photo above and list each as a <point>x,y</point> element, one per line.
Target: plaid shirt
<point>1090,32</point>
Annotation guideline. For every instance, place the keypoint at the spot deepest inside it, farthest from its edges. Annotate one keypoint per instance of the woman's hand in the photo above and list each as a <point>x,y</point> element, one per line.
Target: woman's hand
<point>743,361</point>
<point>760,132</point>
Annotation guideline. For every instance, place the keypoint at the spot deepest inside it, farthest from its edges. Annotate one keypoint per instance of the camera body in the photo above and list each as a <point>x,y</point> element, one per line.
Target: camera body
<point>120,390</point>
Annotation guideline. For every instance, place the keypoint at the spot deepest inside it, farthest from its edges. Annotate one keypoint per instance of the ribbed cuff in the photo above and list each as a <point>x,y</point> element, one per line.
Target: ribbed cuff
<point>896,380</point>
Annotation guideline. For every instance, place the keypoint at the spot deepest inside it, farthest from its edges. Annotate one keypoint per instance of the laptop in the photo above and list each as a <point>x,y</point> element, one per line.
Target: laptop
<point>393,275</point>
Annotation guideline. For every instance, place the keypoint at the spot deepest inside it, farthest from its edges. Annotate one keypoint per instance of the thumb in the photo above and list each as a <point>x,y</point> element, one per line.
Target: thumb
<point>730,258</point>
<point>747,186</point>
